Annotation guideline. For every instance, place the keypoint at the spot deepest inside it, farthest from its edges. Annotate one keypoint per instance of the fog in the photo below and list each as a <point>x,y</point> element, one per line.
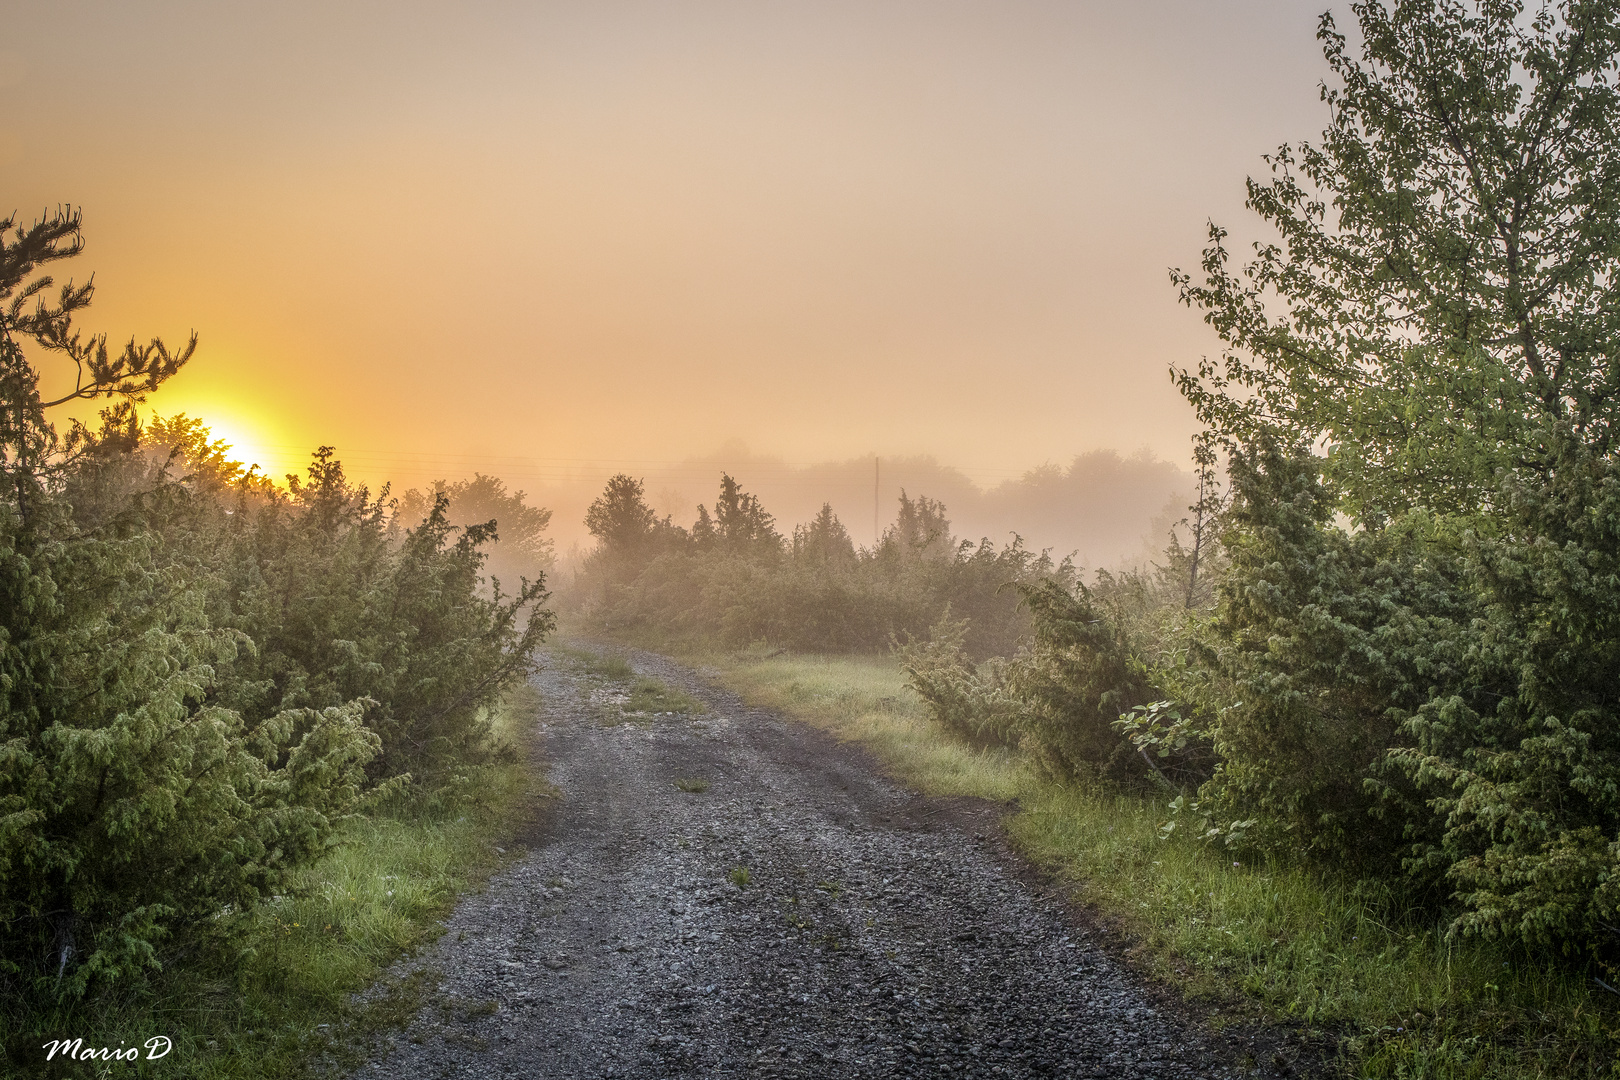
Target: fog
<point>1106,509</point>
<point>445,238</point>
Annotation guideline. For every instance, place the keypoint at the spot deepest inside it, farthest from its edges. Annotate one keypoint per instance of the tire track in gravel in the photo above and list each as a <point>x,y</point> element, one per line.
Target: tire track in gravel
<point>882,934</point>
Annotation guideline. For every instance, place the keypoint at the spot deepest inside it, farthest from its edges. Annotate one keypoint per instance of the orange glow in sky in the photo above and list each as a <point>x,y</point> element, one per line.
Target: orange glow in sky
<point>566,235</point>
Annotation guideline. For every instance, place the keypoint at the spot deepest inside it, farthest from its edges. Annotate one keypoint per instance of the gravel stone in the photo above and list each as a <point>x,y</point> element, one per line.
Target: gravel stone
<point>880,933</point>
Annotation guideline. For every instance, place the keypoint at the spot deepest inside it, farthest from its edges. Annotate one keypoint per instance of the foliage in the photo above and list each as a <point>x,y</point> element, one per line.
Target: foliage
<point>1429,691</point>
<point>129,805</point>
<point>1176,746</point>
<point>823,541</point>
<point>740,525</point>
<point>289,987</point>
<point>1445,258</point>
<point>339,611</point>
<point>1096,654</point>
<point>1403,662</point>
<point>201,675</point>
<point>734,579</point>
<point>1323,642</point>
<point>1521,759</point>
<point>520,548</point>
<point>1077,678</point>
<point>970,703</point>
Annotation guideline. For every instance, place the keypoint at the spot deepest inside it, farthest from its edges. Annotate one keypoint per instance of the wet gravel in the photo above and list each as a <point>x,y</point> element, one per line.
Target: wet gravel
<point>878,933</point>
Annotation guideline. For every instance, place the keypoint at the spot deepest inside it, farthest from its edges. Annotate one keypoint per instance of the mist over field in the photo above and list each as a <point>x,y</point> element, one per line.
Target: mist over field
<point>1103,508</point>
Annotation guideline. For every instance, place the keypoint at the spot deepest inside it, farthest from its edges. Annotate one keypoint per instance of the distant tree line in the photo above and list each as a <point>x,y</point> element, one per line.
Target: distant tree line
<point>202,672</point>
<point>733,578</point>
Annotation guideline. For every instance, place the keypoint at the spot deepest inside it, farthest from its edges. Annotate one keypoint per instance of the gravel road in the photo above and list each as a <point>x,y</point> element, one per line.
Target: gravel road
<point>879,933</point>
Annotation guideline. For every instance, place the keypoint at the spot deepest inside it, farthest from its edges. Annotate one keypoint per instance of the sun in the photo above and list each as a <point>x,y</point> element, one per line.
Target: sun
<point>244,447</point>
<point>250,442</point>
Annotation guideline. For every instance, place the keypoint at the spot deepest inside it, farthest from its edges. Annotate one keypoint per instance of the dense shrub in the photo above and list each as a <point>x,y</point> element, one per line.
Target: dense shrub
<point>343,603</point>
<point>130,805</point>
<point>1323,643</point>
<point>1520,757</point>
<point>971,701</point>
<point>1075,681</point>
<point>1062,694</point>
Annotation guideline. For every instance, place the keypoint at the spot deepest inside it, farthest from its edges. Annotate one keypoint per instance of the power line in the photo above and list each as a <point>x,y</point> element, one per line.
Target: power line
<point>571,467</point>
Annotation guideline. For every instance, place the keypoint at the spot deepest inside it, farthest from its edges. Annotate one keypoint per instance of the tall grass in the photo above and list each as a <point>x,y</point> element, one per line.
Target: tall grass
<point>276,997</point>
<point>1400,999</point>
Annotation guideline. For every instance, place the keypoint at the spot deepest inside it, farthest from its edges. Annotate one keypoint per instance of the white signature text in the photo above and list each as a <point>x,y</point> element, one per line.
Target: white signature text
<point>74,1049</point>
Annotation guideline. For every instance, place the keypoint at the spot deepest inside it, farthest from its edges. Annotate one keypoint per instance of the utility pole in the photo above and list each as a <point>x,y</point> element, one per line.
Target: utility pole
<point>877,472</point>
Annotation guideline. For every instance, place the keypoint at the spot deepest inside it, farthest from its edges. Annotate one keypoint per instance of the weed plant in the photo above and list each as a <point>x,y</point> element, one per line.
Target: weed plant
<point>616,668</point>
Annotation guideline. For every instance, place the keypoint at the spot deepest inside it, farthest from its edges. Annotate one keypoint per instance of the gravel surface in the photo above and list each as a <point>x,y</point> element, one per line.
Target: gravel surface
<point>877,932</point>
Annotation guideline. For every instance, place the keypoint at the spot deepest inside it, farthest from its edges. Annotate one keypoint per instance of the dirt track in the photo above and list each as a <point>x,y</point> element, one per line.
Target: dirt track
<point>880,933</point>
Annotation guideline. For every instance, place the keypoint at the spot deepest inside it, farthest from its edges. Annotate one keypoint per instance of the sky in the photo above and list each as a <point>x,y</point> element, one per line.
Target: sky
<point>557,240</point>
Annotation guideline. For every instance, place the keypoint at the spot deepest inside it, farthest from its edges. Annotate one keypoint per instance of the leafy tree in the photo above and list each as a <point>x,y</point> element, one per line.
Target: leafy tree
<point>520,548</point>
<point>1440,293</point>
<point>921,528</point>
<point>202,460</point>
<point>1430,347</point>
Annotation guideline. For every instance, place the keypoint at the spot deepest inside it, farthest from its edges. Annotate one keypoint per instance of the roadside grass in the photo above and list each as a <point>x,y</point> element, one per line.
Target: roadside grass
<point>866,699</point>
<point>1299,947</point>
<point>277,998</point>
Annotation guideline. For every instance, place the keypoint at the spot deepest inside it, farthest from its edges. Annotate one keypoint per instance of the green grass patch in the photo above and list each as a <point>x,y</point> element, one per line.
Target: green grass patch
<point>1304,948</point>
<point>647,696</point>
<point>616,668</point>
<point>651,696</point>
<point>278,1001</point>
